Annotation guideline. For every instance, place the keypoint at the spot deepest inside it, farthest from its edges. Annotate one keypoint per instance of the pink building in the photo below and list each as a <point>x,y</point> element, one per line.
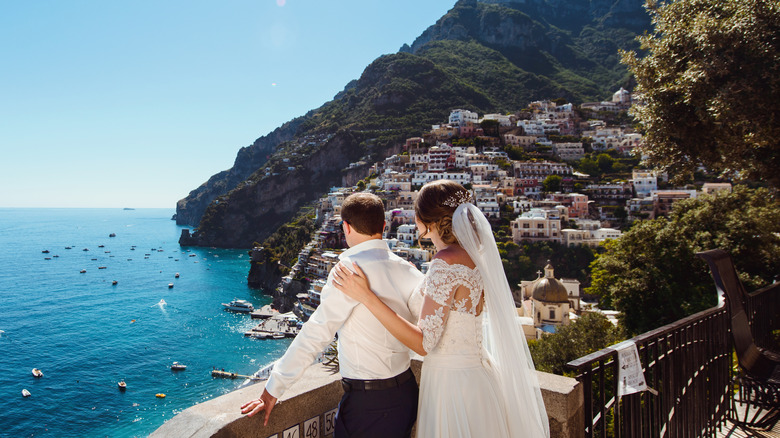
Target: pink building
<point>575,202</point>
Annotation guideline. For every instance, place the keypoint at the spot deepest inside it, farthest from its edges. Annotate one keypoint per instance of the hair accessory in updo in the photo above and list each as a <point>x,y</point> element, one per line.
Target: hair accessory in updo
<point>457,199</point>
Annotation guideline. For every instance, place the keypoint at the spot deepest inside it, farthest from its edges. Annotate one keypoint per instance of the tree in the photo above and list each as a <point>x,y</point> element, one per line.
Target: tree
<point>652,275</point>
<point>490,127</point>
<point>552,184</point>
<point>710,85</point>
<point>591,332</point>
<point>605,163</point>
<point>588,166</point>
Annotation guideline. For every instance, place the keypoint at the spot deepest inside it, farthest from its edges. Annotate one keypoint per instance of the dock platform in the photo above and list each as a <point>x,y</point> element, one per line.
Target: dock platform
<point>229,375</point>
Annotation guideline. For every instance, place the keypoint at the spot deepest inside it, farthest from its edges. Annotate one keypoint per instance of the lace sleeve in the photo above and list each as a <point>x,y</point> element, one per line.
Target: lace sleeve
<point>438,293</point>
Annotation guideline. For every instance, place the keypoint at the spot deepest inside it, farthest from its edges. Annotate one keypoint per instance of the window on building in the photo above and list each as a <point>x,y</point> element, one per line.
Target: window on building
<point>552,313</point>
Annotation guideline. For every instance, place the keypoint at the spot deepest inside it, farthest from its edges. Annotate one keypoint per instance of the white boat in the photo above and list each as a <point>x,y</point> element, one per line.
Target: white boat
<point>241,306</point>
<point>122,385</point>
<point>37,373</point>
<point>176,366</point>
<point>25,393</point>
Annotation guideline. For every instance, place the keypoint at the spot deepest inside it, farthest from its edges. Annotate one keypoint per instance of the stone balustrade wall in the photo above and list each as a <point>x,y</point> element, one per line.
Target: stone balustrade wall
<point>308,408</point>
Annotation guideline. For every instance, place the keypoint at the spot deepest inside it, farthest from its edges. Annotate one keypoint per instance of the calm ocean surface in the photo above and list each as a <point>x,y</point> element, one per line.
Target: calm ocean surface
<point>79,329</point>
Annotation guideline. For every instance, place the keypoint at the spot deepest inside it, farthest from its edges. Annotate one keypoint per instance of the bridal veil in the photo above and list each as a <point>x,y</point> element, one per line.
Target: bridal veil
<point>504,340</point>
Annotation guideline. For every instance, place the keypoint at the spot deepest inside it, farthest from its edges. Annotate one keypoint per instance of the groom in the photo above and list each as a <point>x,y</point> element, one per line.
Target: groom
<point>374,365</point>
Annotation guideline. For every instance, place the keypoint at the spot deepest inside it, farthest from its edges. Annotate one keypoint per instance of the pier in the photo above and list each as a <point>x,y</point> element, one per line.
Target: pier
<point>276,327</point>
<point>229,375</point>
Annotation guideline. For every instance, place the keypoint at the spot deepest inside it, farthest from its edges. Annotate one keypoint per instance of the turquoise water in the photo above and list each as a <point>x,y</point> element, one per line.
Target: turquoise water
<point>78,328</point>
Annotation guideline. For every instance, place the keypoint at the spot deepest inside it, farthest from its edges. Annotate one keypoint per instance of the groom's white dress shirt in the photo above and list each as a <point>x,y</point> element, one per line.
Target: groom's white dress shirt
<point>366,349</point>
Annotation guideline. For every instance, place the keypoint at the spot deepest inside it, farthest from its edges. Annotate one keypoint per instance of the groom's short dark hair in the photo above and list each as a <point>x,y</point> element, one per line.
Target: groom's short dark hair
<point>364,212</point>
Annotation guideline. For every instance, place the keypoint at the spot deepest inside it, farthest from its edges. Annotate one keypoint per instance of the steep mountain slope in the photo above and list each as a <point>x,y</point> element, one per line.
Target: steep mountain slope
<point>491,56</point>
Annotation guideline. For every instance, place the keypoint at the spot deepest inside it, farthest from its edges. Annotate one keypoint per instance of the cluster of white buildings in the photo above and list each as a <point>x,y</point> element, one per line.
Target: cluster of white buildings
<point>502,188</point>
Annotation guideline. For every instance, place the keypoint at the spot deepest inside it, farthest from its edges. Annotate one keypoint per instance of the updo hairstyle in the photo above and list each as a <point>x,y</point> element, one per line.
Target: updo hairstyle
<point>436,203</point>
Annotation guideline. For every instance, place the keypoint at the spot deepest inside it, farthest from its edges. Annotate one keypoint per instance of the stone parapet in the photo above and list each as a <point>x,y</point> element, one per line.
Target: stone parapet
<point>308,408</point>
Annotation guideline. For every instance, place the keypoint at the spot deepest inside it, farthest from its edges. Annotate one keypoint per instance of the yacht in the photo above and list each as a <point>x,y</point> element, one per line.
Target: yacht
<point>176,366</point>
<point>241,306</point>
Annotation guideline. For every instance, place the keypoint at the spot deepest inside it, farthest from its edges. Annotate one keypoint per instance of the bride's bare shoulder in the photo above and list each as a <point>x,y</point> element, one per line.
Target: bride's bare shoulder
<point>455,255</point>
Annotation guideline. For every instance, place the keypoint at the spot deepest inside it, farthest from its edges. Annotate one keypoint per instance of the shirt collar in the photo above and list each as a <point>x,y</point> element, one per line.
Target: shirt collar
<point>368,244</point>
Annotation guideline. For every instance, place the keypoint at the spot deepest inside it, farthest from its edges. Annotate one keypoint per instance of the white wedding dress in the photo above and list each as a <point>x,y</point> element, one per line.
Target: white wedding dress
<point>459,392</point>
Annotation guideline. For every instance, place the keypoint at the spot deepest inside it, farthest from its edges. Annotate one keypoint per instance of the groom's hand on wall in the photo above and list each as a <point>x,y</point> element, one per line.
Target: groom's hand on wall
<point>266,403</point>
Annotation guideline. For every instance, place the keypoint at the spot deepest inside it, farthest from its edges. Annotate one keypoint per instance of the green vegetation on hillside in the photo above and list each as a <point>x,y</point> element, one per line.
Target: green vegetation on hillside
<point>652,275</point>
<point>286,242</point>
<point>523,262</point>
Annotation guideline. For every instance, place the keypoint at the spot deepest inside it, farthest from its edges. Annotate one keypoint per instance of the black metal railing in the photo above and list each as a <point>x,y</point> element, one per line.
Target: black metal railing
<point>687,365</point>
<point>763,312</point>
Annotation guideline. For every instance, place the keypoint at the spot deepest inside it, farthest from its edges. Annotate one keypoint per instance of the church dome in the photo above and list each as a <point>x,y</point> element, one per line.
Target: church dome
<point>621,96</point>
<point>548,289</point>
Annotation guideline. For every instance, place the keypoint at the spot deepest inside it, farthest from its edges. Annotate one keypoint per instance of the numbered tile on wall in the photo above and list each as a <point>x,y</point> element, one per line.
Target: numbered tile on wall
<point>292,432</point>
<point>311,427</point>
<point>329,422</point>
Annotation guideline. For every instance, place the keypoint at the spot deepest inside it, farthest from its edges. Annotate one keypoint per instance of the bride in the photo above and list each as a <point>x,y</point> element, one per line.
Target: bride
<point>478,378</point>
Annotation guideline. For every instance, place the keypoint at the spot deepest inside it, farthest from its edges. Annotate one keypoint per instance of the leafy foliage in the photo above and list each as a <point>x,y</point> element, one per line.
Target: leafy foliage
<point>521,262</point>
<point>552,184</point>
<point>590,333</point>
<point>652,275</point>
<point>710,82</point>
<point>285,243</point>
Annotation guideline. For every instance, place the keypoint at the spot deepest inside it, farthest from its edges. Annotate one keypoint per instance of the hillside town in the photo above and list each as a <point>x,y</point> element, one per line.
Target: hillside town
<point>541,197</point>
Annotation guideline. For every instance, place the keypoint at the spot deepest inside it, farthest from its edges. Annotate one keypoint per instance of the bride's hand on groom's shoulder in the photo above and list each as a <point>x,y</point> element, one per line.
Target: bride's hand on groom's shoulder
<point>352,281</point>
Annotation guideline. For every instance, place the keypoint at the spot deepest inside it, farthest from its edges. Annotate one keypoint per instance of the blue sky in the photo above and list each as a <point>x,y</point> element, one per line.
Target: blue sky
<point>135,103</point>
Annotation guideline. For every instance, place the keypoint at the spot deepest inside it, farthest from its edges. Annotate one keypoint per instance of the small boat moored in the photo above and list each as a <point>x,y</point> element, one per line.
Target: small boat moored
<point>122,385</point>
<point>37,373</point>
<point>170,285</point>
<point>176,366</point>
<point>26,393</point>
<point>241,306</point>
<point>160,395</point>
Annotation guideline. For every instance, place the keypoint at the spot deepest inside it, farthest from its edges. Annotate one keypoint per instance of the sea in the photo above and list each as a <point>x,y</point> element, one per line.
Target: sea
<point>86,333</point>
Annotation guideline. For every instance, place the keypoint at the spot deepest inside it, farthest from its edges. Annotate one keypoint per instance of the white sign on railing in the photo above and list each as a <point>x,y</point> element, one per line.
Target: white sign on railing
<point>631,379</point>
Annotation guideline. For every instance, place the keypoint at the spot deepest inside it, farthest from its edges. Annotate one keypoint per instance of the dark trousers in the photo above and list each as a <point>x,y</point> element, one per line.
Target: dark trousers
<point>386,413</point>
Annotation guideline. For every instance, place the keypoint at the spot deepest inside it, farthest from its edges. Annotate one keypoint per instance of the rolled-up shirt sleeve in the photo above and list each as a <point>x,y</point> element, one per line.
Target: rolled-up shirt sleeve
<point>316,334</point>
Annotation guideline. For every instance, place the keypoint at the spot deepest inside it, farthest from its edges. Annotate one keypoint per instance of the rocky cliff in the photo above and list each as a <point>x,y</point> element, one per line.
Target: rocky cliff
<point>254,209</point>
<point>488,56</point>
<point>190,209</point>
